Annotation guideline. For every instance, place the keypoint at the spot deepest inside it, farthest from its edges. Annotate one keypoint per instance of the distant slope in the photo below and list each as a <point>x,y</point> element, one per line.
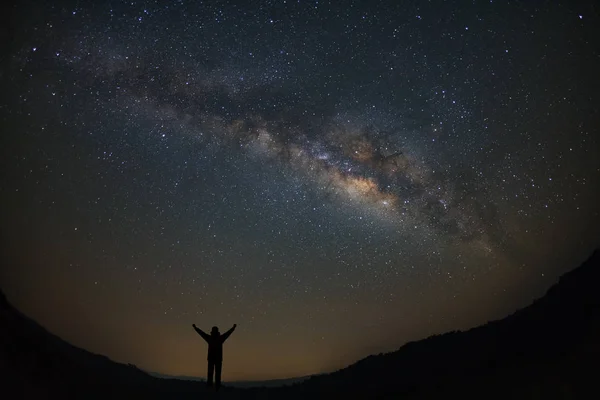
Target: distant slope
<point>548,350</point>
<point>269,383</point>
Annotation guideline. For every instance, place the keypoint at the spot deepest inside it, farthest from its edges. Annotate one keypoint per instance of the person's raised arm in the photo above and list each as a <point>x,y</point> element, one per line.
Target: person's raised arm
<point>229,332</point>
<point>201,332</point>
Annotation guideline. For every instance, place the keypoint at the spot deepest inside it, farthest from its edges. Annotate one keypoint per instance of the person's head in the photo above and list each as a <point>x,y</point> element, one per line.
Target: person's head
<point>214,331</point>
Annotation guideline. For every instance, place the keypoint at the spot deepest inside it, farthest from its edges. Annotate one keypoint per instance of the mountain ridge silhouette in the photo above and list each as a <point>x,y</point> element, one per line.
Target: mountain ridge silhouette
<point>545,350</point>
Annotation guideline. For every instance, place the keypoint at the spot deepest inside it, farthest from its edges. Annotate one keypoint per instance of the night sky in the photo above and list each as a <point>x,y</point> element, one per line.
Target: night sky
<point>337,178</point>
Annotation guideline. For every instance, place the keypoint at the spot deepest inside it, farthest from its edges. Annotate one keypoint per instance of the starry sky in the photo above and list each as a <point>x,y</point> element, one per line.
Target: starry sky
<point>336,177</point>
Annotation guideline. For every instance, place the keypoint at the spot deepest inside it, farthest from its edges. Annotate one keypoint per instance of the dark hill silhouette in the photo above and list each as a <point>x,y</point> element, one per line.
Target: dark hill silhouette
<point>34,363</point>
<point>548,350</point>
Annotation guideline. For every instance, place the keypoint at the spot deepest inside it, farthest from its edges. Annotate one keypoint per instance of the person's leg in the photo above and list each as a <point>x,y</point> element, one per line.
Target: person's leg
<point>209,372</point>
<point>218,366</point>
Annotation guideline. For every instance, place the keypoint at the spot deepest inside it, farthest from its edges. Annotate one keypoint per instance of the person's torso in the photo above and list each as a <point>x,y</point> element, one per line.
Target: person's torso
<point>215,347</point>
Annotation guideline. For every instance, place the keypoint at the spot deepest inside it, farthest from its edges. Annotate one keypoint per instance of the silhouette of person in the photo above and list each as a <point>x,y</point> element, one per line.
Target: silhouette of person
<point>215,352</point>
